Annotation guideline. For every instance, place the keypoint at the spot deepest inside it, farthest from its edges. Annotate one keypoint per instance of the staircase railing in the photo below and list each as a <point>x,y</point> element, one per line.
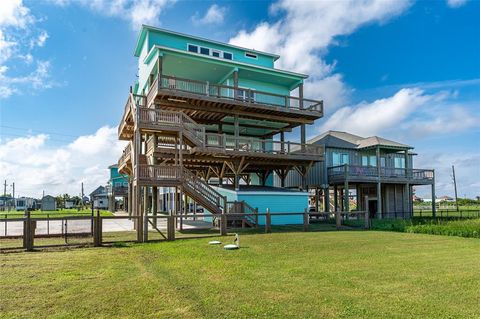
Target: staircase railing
<point>198,185</point>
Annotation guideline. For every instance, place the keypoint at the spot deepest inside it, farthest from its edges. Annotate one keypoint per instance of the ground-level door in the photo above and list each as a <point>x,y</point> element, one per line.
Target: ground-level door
<point>372,207</point>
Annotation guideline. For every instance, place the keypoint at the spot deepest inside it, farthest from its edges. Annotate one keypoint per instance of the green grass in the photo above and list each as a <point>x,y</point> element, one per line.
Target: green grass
<point>354,274</point>
<point>441,226</point>
<point>53,213</point>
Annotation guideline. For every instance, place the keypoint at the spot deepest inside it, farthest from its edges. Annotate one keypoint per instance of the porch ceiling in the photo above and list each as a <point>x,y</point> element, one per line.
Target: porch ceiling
<point>214,70</point>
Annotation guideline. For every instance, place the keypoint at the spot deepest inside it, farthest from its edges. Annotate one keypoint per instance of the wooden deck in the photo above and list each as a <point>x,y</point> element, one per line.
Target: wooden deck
<point>205,102</point>
<point>357,173</point>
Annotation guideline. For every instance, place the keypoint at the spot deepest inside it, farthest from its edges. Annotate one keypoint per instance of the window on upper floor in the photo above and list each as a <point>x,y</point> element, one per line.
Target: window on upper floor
<point>250,55</point>
<point>209,51</point>
<point>339,158</point>
<point>369,160</point>
<point>399,162</point>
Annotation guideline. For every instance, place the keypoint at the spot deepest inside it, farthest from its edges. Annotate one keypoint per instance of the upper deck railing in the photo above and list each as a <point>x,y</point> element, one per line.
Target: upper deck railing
<point>164,119</point>
<point>384,173</point>
<point>220,91</point>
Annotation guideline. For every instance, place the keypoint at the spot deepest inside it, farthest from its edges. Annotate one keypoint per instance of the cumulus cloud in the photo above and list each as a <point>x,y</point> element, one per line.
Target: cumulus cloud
<point>35,165</point>
<point>467,172</point>
<point>214,15</point>
<point>19,34</point>
<point>456,3</point>
<point>135,12</point>
<point>14,14</point>
<point>305,31</point>
<point>373,118</point>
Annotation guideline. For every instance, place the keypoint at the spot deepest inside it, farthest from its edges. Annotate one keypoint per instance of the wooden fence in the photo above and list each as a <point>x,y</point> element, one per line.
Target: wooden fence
<point>95,235</point>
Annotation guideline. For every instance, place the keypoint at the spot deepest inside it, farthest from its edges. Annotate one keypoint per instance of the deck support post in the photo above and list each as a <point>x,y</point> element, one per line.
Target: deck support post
<point>346,200</point>
<point>235,84</point>
<point>335,198</point>
<point>326,199</point>
<point>379,184</point>
<point>434,207</point>
<point>303,126</point>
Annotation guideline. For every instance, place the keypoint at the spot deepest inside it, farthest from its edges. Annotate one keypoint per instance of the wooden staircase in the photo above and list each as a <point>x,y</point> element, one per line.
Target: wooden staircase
<point>241,212</point>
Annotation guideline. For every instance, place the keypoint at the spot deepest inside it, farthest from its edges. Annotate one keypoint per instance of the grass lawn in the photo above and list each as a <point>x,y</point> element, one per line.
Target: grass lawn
<point>53,213</point>
<point>355,274</point>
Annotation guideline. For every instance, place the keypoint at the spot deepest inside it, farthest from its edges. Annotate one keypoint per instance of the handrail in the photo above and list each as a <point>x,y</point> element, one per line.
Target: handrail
<point>231,92</point>
<point>125,155</point>
<point>199,185</point>
<point>224,141</point>
<point>385,172</point>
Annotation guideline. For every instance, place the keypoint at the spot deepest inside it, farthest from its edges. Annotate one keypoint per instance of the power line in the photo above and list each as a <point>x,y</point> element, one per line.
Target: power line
<point>39,132</point>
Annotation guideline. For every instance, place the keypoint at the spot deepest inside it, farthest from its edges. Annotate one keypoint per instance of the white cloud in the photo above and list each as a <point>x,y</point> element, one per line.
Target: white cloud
<point>214,15</point>
<point>136,12</point>
<point>448,119</point>
<point>38,79</point>
<point>13,13</point>
<point>305,31</point>
<point>372,118</point>
<point>40,40</point>
<point>467,172</point>
<point>35,166</point>
<point>456,3</point>
<point>18,36</point>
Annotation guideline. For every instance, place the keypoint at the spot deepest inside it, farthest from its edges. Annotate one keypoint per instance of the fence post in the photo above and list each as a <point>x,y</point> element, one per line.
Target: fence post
<point>28,232</point>
<point>338,219</point>
<point>97,230</point>
<point>170,228</point>
<point>223,225</point>
<point>268,222</point>
<point>305,220</point>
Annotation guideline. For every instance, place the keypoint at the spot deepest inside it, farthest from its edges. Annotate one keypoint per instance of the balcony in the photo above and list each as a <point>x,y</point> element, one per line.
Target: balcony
<point>357,173</point>
<point>205,96</point>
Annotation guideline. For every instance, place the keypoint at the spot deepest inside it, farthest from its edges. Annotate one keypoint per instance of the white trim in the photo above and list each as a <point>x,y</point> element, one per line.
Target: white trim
<point>288,193</point>
<point>148,27</point>
<point>253,66</point>
<point>223,55</point>
<point>191,44</point>
<point>202,47</point>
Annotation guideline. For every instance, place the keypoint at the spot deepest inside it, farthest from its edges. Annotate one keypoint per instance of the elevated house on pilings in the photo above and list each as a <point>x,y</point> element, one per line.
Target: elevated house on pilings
<point>204,114</point>
<point>374,166</point>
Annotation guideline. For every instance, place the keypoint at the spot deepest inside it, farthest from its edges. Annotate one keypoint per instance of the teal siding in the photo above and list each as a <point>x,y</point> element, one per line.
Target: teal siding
<point>180,43</point>
<point>277,202</point>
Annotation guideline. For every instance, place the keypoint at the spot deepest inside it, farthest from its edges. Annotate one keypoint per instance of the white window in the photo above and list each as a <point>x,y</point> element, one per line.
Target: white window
<point>205,51</point>
<point>216,53</point>
<point>251,55</point>
<point>227,56</point>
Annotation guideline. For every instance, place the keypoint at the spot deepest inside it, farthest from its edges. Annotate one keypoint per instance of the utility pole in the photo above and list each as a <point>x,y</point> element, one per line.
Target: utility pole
<point>81,200</point>
<point>455,186</point>
<point>5,188</point>
<point>13,190</point>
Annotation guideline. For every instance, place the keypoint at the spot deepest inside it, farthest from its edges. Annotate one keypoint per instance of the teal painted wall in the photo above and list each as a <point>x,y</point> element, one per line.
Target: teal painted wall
<point>180,43</point>
<point>277,202</point>
<point>116,177</point>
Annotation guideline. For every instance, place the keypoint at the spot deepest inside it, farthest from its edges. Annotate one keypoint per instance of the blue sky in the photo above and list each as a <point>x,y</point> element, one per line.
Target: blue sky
<point>410,71</point>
